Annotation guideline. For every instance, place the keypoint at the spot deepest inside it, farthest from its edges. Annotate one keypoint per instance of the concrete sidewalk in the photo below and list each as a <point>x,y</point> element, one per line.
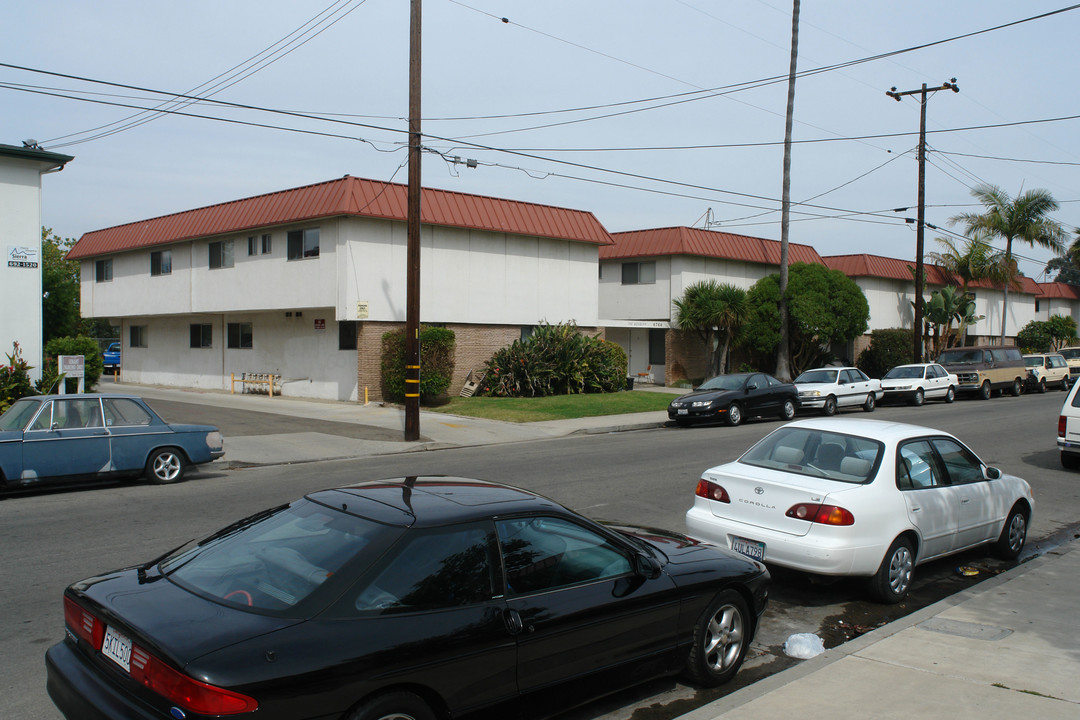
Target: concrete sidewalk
<point>1007,647</point>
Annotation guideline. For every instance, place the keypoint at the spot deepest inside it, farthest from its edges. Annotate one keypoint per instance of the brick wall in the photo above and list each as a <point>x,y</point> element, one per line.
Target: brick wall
<point>474,346</point>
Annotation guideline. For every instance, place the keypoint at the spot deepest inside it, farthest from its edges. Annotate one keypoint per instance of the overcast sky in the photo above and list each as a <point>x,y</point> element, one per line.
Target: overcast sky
<point>654,109</point>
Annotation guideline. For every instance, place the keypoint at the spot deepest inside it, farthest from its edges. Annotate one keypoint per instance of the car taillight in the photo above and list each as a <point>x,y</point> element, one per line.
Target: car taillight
<point>823,514</point>
<point>711,491</point>
<point>1061,426</point>
<point>189,693</point>
<point>83,624</point>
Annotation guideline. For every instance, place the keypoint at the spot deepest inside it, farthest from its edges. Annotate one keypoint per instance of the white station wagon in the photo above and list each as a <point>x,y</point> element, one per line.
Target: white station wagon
<point>860,498</point>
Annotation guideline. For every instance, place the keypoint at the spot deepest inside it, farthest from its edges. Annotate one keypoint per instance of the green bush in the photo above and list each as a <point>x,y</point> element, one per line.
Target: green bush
<point>14,378</point>
<point>93,365</point>
<point>436,363</point>
<point>888,348</point>
<point>1047,335</point>
<point>555,360</point>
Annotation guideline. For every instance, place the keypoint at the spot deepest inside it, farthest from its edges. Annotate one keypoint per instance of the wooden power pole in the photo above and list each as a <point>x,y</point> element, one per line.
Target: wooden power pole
<point>917,345</point>
<point>412,222</point>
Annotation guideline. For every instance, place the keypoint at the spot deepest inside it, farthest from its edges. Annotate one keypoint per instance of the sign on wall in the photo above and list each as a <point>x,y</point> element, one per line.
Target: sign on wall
<point>320,325</point>
<point>22,256</point>
<point>361,309</point>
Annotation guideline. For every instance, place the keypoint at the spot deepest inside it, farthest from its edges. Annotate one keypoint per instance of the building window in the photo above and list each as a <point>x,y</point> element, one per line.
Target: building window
<point>202,334</point>
<point>527,332</point>
<point>253,245</point>
<point>266,244</point>
<point>103,270</point>
<point>640,273</point>
<point>240,337</point>
<point>1036,305</point>
<point>161,262</point>
<point>137,336</point>
<point>347,334</point>
<point>221,254</point>
<point>303,243</point>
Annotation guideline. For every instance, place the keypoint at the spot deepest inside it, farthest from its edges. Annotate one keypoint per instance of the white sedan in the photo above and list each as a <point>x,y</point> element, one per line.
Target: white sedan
<point>828,389</point>
<point>919,382</point>
<point>860,498</point>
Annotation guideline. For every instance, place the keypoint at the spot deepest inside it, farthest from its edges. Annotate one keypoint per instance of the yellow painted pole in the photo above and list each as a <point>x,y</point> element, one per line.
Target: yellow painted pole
<point>232,383</point>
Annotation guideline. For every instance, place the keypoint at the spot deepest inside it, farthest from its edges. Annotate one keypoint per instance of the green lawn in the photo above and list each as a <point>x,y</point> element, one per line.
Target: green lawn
<point>559,407</point>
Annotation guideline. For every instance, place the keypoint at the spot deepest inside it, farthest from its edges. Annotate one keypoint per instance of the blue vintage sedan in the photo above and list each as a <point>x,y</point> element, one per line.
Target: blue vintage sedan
<point>65,438</point>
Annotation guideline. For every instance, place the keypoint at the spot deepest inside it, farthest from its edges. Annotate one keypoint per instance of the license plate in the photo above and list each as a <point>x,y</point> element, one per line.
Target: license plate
<point>684,411</point>
<point>750,548</point>
<point>117,647</point>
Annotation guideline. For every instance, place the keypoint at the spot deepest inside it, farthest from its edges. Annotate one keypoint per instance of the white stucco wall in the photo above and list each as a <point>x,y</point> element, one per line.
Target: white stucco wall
<point>467,276</point>
<point>20,287</point>
<point>307,358</point>
<point>643,301</point>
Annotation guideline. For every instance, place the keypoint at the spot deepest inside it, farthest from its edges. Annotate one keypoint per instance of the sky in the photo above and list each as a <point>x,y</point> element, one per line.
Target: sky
<point>647,113</point>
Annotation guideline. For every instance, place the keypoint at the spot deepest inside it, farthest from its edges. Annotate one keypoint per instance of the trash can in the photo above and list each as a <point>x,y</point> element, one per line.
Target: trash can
<point>629,383</point>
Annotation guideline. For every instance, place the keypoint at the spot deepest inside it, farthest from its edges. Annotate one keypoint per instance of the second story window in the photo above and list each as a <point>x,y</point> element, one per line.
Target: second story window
<point>161,262</point>
<point>303,243</point>
<point>221,254</point>
<point>103,270</point>
<point>267,246</point>
<point>638,273</point>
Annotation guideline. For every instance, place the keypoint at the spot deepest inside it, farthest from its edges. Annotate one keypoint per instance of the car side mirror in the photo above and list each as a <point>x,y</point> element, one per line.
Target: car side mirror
<point>751,386</point>
<point>992,473</point>
<point>647,566</point>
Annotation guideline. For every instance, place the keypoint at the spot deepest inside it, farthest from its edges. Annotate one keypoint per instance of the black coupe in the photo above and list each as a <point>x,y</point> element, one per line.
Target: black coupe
<point>732,398</point>
<point>414,598</point>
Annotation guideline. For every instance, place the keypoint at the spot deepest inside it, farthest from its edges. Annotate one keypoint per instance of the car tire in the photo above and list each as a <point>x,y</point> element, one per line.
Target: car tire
<point>918,398</point>
<point>950,395</point>
<point>1070,461</point>
<point>868,404</point>
<point>984,390</point>
<point>734,414</point>
<point>829,408</point>
<point>1065,383</point>
<point>787,410</point>
<point>1017,388</point>
<point>393,706</point>
<point>1013,534</point>
<point>892,581</point>
<point>1042,385</point>
<point>721,637</point>
<point>166,465</point>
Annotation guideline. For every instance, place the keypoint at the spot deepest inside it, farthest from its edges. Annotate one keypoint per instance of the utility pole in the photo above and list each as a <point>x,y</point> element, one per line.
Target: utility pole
<point>783,351</point>
<point>412,222</point>
<point>919,281</point>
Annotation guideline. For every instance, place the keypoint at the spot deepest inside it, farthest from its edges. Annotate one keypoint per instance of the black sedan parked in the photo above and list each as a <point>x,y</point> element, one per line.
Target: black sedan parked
<point>414,598</point>
<point>733,398</point>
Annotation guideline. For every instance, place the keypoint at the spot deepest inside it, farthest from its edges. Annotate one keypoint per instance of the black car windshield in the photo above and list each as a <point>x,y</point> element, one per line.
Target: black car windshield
<point>274,560</point>
<point>724,382</point>
<point>19,414</point>
<point>904,373</point>
<point>960,356</point>
<point>818,453</point>
<point>1071,353</point>
<point>1036,361</point>
<point>817,376</point>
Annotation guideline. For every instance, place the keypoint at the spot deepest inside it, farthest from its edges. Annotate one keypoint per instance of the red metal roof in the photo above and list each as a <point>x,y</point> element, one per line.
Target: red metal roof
<point>347,196</point>
<point>1060,290</point>
<point>864,265</point>
<point>705,243</point>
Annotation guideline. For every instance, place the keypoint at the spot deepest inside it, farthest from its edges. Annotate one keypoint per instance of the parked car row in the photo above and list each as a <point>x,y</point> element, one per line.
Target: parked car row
<point>978,371</point>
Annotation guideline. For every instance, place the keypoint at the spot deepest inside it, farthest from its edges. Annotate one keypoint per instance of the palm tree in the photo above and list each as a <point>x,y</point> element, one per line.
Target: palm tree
<point>1067,265</point>
<point>973,262</point>
<point>1025,218</point>
<point>715,312</point>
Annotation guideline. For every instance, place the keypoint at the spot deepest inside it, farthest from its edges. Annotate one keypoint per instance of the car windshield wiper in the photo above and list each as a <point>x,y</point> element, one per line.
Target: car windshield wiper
<point>141,571</point>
